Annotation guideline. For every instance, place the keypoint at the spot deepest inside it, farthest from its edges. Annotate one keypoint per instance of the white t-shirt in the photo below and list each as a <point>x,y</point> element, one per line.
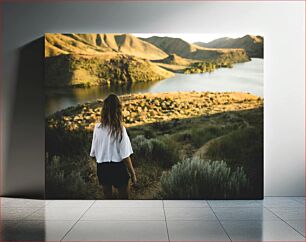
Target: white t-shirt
<point>106,148</point>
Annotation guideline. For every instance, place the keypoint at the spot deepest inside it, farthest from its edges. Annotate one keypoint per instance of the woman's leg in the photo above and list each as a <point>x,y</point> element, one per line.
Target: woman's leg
<point>108,192</point>
<point>123,192</point>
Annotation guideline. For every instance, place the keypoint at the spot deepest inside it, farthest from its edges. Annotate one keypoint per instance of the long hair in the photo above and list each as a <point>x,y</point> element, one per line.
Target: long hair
<point>111,116</point>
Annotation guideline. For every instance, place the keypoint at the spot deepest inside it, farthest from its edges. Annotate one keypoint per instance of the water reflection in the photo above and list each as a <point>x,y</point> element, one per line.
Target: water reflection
<point>60,98</point>
<point>243,77</point>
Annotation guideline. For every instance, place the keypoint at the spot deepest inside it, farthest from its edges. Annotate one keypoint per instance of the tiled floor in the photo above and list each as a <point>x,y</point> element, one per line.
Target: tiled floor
<point>273,219</point>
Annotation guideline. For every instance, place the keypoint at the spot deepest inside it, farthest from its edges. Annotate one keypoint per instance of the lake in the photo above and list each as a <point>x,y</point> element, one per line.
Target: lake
<point>243,77</point>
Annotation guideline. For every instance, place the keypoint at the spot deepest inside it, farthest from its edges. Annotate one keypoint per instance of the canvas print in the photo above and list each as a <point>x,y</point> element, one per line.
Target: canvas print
<point>154,116</point>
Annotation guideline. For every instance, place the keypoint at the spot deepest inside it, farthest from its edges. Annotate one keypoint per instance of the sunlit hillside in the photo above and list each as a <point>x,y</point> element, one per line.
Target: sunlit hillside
<point>187,50</point>
<point>81,60</point>
<point>251,43</point>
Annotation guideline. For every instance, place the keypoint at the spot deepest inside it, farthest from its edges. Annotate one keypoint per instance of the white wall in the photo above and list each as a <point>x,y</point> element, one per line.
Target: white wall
<point>281,23</point>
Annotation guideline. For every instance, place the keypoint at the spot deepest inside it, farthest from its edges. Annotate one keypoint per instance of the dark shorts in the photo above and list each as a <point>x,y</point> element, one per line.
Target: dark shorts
<point>112,174</point>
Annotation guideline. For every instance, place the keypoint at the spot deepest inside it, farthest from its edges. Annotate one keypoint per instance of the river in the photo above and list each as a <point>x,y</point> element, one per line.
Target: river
<point>243,77</point>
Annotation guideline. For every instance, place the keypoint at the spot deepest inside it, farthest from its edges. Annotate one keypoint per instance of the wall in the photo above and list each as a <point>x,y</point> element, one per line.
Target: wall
<point>281,23</point>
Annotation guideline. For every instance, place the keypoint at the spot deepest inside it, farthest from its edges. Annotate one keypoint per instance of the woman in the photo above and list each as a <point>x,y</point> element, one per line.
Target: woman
<point>112,148</point>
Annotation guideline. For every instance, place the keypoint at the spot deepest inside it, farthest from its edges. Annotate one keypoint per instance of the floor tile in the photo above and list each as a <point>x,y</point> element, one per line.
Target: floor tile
<point>57,213</point>
<point>7,224</point>
<point>118,231</point>
<point>244,214</point>
<point>39,230</point>
<point>235,203</point>
<point>131,213</point>
<point>281,202</point>
<point>140,220</point>
<point>22,203</point>
<point>298,225</point>
<point>261,231</point>
<point>24,233</point>
<point>55,230</point>
<point>196,231</point>
<point>300,200</point>
<point>289,212</point>
<point>16,213</point>
<point>189,214</point>
<point>128,203</point>
<point>185,203</point>
<point>70,203</point>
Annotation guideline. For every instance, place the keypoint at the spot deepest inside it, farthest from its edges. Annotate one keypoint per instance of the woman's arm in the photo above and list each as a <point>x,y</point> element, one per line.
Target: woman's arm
<point>128,163</point>
<point>93,144</point>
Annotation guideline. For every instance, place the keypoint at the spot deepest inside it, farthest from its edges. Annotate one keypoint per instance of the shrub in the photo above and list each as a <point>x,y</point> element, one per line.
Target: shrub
<point>200,179</point>
<point>67,179</point>
<point>184,136</point>
<point>239,146</point>
<point>142,148</point>
<point>148,176</point>
<point>242,148</point>
<point>149,134</point>
<point>60,141</point>
<point>162,151</point>
<point>202,135</point>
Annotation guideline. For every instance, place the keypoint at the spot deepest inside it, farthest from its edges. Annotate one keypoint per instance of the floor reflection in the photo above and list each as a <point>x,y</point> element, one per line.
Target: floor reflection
<point>273,219</point>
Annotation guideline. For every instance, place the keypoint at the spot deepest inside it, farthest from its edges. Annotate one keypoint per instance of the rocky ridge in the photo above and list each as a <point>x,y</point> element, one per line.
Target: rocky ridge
<point>139,109</point>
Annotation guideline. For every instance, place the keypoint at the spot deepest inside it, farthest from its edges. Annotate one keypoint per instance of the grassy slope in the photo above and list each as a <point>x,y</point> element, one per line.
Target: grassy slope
<point>107,68</point>
<point>234,136</point>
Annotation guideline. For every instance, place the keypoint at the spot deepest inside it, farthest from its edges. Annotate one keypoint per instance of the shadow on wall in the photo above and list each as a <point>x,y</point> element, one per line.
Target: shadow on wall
<point>24,171</point>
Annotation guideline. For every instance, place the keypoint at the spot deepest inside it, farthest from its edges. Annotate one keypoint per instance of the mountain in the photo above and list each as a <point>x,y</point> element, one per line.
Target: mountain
<point>174,63</point>
<point>191,51</point>
<point>57,44</point>
<point>174,59</point>
<point>98,59</point>
<point>95,44</point>
<point>252,44</point>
